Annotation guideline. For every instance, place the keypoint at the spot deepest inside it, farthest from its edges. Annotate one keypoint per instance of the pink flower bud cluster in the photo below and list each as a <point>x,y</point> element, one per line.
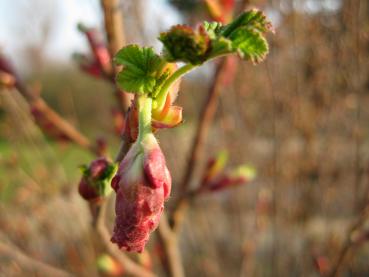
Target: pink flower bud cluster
<point>142,184</point>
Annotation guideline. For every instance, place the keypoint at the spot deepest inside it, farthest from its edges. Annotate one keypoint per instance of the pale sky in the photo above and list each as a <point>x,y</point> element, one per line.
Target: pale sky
<point>20,21</point>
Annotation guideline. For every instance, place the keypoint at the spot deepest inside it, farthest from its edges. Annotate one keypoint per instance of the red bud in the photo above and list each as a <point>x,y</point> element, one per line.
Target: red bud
<point>95,181</point>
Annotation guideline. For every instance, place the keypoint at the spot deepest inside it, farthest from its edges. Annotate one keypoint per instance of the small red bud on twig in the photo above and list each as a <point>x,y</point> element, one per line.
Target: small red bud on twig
<point>95,182</point>
<point>98,47</point>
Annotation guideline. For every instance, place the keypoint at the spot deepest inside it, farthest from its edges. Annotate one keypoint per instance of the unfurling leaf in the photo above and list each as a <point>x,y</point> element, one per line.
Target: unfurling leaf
<point>141,65</point>
<point>250,44</point>
<point>252,19</point>
<point>247,35</point>
<point>213,28</point>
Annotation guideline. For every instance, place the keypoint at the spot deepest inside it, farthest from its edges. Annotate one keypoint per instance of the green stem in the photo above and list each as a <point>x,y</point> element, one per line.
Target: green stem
<point>144,116</point>
<point>162,95</point>
<point>236,23</point>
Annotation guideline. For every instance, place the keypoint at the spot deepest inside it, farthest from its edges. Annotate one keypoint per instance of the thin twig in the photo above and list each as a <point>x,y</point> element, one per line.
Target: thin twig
<point>169,241</point>
<point>35,101</point>
<point>63,126</point>
<point>28,263</point>
<point>114,27</point>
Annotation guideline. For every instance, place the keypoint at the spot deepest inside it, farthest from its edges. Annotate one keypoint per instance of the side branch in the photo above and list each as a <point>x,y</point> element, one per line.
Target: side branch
<point>62,125</point>
<point>114,28</point>
<point>168,239</point>
<point>41,107</point>
<point>59,123</point>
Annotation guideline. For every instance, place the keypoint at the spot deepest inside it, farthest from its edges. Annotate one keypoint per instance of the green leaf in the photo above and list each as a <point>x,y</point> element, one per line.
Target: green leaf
<point>250,44</point>
<point>253,19</point>
<point>245,36</point>
<point>140,68</point>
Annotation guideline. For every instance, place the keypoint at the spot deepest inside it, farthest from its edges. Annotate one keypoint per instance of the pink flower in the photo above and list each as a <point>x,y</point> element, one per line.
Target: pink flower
<point>142,184</point>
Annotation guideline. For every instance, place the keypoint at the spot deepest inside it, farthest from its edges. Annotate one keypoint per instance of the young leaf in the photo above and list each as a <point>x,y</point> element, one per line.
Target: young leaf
<point>245,35</point>
<point>181,43</point>
<point>212,28</point>
<point>250,44</point>
<point>253,19</point>
<point>140,68</point>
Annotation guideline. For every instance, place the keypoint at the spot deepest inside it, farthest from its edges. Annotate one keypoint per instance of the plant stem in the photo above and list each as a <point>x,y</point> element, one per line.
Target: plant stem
<point>170,81</point>
<point>144,116</point>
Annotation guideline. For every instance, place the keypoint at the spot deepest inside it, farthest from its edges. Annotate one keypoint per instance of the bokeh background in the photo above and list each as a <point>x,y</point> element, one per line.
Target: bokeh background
<point>301,118</point>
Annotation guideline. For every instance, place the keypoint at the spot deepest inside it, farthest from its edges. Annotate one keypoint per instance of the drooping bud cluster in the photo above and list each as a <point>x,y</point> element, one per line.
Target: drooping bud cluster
<point>216,178</point>
<point>95,181</point>
<point>142,184</point>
